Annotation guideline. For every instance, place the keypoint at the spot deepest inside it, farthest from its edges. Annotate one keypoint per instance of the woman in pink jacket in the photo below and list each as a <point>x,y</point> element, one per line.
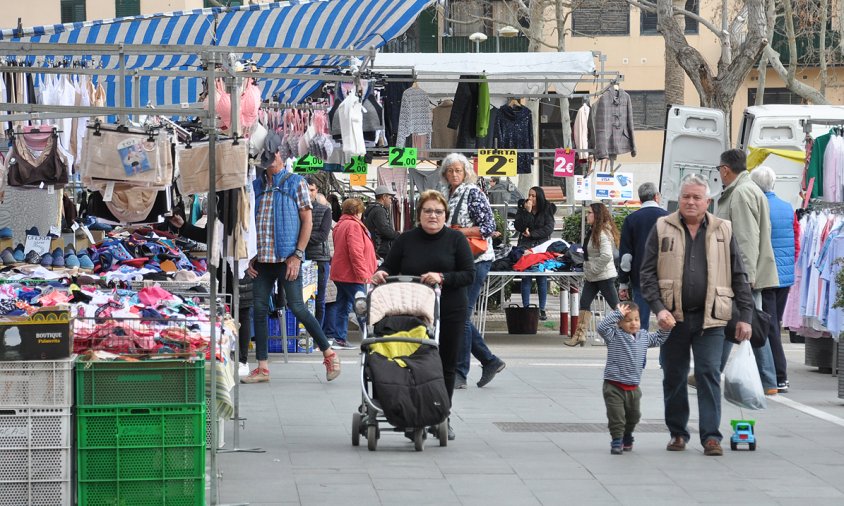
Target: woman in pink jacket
<point>353,264</point>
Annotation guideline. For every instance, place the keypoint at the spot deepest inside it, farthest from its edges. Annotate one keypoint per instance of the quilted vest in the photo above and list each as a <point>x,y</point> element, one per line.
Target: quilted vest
<point>782,237</point>
<point>285,210</point>
<point>718,308</point>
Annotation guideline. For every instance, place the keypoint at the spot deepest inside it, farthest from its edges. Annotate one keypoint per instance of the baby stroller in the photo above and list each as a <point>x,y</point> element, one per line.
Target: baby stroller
<point>402,381</point>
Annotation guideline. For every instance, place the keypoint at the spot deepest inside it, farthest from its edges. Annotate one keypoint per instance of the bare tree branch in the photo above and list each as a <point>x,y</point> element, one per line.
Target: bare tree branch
<point>650,6</point>
<point>795,85</point>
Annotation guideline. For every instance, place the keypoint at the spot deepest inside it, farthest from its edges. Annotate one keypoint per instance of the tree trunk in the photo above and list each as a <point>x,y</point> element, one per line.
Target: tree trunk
<point>675,79</point>
<point>771,18</point>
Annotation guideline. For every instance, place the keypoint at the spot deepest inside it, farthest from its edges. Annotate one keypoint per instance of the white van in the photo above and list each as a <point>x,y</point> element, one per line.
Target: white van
<point>696,136</point>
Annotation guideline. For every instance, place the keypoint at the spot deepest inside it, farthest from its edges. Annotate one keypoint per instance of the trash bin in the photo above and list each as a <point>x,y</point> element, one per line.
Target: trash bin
<point>522,320</point>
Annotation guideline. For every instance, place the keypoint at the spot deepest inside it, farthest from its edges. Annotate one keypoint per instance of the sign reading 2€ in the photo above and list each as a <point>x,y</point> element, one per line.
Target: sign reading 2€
<point>497,162</point>
<point>563,162</point>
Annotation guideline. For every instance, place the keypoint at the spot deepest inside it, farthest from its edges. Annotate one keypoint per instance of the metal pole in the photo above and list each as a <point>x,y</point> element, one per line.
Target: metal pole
<point>136,94</point>
<point>121,82</point>
<point>211,126</point>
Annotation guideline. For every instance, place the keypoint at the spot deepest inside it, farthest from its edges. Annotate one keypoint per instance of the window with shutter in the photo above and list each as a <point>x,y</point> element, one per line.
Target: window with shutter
<point>123,8</point>
<point>601,17</point>
<point>73,11</point>
<point>648,20</point>
<point>222,3</point>
<point>648,109</point>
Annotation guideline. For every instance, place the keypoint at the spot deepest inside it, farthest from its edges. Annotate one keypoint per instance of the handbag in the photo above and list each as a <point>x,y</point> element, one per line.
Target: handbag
<point>478,245</point>
<point>761,323</point>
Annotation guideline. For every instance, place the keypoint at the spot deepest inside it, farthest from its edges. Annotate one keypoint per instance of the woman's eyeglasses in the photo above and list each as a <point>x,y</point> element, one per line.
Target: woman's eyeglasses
<point>433,212</point>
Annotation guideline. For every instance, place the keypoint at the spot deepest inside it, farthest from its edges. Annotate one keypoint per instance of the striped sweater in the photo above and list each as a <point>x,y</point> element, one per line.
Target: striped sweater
<point>626,354</point>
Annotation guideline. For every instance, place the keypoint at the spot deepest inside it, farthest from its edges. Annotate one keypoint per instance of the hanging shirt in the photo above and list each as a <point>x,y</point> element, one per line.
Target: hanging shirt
<point>833,170</point>
<point>581,131</point>
<point>514,129</point>
<point>350,117</point>
<point>815,168</point>
<point>415,116</point>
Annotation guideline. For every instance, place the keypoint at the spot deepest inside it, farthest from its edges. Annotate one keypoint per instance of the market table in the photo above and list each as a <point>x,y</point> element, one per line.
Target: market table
<point>496,280</point>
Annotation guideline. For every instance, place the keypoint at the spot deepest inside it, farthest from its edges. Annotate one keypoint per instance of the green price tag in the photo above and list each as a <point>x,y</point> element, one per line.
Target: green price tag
<point>308,164</point>
<point>358,165</point>
<point>402,157</point>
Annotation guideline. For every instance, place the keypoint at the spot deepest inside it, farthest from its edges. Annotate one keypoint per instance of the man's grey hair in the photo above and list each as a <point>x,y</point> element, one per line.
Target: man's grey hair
<point>452,158</point>
<point>764,177</point>
<point>697,180</point>
<point>647,192</point>
<point>495,179</point>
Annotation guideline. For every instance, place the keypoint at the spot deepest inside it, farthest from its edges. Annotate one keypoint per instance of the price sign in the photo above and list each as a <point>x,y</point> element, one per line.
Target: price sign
<point>308,164</point>
<point>402,157</point>
<point>358,165</point>
<point>357,179</point>
<point>497,162</point>
<point>39,243</point>
<point>563,162</point>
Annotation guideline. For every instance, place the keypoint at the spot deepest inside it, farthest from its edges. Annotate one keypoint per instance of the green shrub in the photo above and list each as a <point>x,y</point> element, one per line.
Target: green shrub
<point>571,223</point>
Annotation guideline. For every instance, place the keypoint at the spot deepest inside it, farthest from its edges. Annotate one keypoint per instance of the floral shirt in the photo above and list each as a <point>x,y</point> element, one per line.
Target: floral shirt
<point>474,212</point>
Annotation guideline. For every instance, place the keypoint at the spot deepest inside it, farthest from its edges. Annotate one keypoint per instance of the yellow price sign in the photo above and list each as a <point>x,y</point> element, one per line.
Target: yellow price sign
<point>497,162</point>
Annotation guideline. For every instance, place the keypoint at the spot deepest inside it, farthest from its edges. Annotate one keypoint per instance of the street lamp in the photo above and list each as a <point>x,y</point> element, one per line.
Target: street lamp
<point>477,38</point>
<point>505,31</point>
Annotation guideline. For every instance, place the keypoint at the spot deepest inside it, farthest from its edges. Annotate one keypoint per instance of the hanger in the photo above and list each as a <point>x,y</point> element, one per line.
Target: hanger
<point>514,102</point>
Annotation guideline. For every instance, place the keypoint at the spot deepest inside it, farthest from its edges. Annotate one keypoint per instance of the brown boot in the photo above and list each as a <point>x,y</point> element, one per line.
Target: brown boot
<point>579,337</point>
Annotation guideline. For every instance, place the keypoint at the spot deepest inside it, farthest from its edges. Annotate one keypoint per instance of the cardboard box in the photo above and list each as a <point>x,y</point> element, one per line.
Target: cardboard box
<point>43,336</point>
<point>7,243</point>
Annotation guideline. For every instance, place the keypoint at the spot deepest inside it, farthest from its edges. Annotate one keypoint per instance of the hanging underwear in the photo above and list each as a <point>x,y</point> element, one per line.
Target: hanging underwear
<point>160,206</point>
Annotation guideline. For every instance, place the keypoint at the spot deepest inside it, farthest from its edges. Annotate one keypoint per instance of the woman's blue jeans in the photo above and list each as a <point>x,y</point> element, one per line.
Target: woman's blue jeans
<point>473,341</point>
<point>541,287</point>
<point>343,306</point>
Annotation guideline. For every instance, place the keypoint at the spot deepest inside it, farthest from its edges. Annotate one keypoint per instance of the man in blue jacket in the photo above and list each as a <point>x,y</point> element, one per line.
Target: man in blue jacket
<point>634,233</point>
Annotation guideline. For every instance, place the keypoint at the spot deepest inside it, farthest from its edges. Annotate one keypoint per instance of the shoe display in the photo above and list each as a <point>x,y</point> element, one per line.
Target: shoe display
<point>490,370</point>
<point>712,448</point>
<point>332,366</point>
<point>677,444</point>
<point>32,258</point>
<point>459,382</point>
<point>258,375</point>
<point>47,260</point>
<point>615,447</point>
<point>5,233</point>
<point>8,257</point>
<point>85,262</point>
<point>782,387</point>
<point>71,260</point>
<point>18,252</point>
<point>58,258</point>
<point>542,315</point>
<point>33,231</point>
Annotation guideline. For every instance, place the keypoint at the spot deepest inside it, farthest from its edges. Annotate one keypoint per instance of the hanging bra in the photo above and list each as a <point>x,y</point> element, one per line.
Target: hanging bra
<point>250,103</point>
<point>26,169</point>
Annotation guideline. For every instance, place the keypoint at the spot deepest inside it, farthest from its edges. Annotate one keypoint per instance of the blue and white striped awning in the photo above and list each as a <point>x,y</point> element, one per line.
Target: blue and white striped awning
<point>311,24</point>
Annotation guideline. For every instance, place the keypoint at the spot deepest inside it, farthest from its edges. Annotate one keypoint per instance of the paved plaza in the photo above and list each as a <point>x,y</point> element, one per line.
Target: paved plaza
<point>535,435</point>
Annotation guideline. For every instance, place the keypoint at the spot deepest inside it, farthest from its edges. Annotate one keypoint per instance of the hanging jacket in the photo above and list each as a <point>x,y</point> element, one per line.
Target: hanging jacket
<point>612,117</point>
<point>514,129</point>
<point>464,113</point>
<point>285,210</point>
<point>782,238</point>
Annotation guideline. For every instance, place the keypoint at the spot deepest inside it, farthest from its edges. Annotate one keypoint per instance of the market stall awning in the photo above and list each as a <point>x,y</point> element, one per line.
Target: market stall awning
<point>296,24</point>
<point>524,73</point>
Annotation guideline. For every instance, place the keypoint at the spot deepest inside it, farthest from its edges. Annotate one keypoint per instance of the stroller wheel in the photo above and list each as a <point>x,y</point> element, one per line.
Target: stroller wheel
<point>419,439</point>
<point>442,432</point>
<point>372,437</point>
<point>356,419</point>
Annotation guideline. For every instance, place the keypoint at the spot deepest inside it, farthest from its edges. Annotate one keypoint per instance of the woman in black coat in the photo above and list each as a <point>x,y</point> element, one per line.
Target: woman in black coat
<point>535,223</point>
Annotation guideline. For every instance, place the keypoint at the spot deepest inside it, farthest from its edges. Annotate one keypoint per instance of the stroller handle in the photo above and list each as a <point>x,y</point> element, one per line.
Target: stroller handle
<point>401,278</point>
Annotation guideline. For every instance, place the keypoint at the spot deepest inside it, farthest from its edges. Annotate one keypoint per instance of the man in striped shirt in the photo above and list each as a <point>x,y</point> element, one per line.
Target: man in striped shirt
<point>627,348</point>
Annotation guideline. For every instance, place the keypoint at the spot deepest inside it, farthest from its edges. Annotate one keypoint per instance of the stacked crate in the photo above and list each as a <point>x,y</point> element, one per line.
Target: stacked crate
<point>35,432</point>
<point>141,432</point>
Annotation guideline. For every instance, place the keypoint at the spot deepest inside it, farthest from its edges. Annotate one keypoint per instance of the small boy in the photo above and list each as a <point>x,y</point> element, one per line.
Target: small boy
<point>627,348</point>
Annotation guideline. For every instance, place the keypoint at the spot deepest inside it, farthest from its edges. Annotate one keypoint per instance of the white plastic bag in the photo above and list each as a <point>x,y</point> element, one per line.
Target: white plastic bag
<point>742,385</point>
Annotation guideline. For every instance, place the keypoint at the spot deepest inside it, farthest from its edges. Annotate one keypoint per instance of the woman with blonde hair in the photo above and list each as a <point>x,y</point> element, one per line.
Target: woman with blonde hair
<point>598,267</point>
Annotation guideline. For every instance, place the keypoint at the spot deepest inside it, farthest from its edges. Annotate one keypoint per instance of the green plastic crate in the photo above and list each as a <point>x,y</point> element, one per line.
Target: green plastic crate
<point>146,382</point>
<point>139,455</point>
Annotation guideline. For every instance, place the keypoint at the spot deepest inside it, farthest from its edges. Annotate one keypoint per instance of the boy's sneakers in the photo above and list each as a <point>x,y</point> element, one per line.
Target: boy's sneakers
<point>332,366</point>
<point>257,375</point>
<point>627,443</point>
<point>616,447</point>
<point>341,344</point>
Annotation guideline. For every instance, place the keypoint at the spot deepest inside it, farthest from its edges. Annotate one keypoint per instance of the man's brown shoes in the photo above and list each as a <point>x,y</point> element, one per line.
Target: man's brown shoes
<point>677,444</point>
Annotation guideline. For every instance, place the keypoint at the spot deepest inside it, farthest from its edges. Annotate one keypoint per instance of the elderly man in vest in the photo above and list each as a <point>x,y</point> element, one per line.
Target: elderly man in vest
<point>690,274</point>
<point>744,204</point>
<point>284,221</point>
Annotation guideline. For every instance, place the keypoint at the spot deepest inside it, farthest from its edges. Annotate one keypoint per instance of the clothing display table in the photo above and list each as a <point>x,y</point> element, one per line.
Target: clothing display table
<point>496,280</point>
